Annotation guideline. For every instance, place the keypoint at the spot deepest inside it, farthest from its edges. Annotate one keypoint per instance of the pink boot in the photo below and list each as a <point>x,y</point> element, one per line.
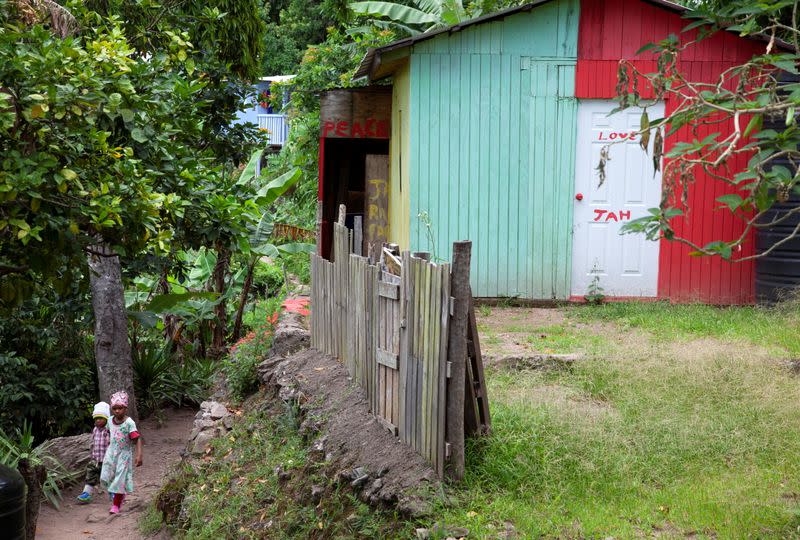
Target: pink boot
<point>117,503</point>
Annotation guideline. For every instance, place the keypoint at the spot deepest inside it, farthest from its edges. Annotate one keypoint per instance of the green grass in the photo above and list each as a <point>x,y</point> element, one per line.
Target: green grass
<point>560,339</point>
<point>551,339</point>
<point>150,522</point>
<point>639,440</point>
<point>774,328</point>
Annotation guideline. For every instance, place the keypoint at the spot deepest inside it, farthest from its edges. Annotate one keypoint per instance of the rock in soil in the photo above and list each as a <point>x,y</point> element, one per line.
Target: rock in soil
<point>218,410</point>
<point>72,452</point>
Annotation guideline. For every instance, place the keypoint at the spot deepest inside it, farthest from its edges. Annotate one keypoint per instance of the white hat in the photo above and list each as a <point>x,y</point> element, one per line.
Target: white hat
<point>101,410</point>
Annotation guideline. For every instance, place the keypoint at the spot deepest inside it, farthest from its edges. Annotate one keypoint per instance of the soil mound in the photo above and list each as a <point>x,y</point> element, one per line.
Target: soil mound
<point>342,431</point>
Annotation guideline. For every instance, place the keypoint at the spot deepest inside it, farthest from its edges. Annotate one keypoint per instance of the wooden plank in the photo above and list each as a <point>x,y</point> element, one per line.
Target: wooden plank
<point>374,338</point>
<point>471,422</point>
<point>484,418</point>
<point>444,321</point>
<point>370,329</point>
<point>358,235</point>
<point>457,355</point>
<point>392,263</point>
<point>402,371</point>
<point>389,290</point>
<point>415,358</point>
<point>376,182</point>
<point>426,359</point>
<point>433,372</point>
<point>387,424</point>
<point>311,268</point>
<point>390,369</point>
<point>387,358</point>
<point>395,343</point>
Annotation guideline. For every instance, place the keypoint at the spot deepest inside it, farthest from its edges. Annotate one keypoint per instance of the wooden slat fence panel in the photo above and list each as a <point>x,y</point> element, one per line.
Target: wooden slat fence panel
<point>391,332</point>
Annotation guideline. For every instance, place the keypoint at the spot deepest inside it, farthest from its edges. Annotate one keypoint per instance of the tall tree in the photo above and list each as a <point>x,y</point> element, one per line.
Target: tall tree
<point>108,144</point>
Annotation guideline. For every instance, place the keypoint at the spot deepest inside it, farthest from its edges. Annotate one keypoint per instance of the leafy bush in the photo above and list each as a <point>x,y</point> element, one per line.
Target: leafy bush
<point>52,396</point>
<point>150,364</point>
<point>299,264</point>
<point>267,279</point>
<point>248,352</point>
<point>160,378</point>
<point>187,383</point>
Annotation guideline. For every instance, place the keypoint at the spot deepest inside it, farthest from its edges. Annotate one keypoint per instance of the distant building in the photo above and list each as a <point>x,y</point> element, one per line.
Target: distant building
<point>263,115</point>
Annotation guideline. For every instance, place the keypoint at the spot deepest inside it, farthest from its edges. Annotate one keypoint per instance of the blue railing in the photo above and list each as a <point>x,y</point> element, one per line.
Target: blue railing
<point>276,126</point>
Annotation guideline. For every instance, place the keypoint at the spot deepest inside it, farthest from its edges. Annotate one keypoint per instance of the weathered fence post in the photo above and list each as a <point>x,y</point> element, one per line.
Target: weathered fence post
<point>457,356</point>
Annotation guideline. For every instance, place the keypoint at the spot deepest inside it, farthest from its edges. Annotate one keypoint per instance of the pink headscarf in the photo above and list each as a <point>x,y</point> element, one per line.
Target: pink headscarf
<point>119,398</point>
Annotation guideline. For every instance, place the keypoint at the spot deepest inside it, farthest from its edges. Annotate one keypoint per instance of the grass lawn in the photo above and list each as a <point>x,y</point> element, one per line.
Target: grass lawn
<point>681,421</point>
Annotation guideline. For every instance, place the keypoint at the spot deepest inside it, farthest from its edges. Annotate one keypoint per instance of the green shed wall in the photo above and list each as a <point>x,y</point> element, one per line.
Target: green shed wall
<point>492,149</point>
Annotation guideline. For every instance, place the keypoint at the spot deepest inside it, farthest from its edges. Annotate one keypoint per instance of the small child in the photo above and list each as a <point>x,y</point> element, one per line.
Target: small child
<point>100,440</point>
<point>117,473</point>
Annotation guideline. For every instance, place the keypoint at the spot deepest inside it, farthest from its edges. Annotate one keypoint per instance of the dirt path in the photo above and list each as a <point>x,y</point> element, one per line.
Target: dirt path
<point>162,447</point>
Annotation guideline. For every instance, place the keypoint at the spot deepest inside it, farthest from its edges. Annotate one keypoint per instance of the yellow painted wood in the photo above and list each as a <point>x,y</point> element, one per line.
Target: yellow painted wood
<point>399,205</point>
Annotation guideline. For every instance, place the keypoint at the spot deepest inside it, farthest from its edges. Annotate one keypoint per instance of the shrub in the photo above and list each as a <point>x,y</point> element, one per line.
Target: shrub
<point>54,397</point>
<point>247,353</point>
<point>161,378</point>
<point>299,264</point>
<point>267,279</point>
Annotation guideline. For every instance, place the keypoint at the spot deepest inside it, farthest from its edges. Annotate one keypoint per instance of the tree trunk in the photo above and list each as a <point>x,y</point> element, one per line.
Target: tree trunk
<point>248,282</point>
<point>34,476</point>
<point>221,323</point>
<point>112,352</point>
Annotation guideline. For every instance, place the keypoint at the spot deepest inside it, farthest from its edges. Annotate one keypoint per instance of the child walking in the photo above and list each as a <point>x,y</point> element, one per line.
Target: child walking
<point>100,440</point>
<point>117,473</point>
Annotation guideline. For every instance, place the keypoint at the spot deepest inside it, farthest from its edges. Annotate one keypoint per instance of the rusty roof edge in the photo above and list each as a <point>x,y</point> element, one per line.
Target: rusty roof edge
<point>371,59</point>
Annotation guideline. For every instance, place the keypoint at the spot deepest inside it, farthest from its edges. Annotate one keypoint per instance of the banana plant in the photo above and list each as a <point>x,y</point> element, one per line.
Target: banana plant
<point>261,245</point>
<point>422,16</point>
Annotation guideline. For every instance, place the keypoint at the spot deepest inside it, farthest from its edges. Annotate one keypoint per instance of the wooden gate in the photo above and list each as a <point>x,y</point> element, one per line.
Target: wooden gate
<point>387,354</point>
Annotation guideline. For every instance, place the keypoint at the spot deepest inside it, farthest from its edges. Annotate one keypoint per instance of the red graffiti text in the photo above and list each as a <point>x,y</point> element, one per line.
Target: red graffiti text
<point>614,135</point>
<point>368,129</point>
<point>605,215</point>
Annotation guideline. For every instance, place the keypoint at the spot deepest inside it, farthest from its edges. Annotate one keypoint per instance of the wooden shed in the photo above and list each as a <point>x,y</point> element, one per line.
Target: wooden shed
<point>496,128</point>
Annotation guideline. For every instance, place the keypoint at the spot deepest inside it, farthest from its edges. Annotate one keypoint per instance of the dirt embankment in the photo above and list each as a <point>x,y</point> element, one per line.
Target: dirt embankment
<point>339,427</point>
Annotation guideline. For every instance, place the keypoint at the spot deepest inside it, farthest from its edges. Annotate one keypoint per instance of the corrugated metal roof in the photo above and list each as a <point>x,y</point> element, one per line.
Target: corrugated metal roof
<point>371,60</point>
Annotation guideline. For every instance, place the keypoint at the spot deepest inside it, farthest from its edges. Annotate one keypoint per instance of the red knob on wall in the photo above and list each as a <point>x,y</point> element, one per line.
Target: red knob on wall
<point>579,197</point>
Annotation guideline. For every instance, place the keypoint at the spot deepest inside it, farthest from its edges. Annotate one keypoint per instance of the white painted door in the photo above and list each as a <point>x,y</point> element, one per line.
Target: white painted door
<point>625,265</point>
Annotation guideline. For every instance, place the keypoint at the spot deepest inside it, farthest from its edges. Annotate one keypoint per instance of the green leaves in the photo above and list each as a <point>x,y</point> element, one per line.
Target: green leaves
<point>732,201</point>
<point>396,12</point>
<point>249,172</point>
<point>164,302</point>
<point>270,192</point>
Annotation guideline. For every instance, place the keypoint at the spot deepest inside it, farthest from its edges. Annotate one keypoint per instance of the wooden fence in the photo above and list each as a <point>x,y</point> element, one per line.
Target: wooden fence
<point>390,324</point>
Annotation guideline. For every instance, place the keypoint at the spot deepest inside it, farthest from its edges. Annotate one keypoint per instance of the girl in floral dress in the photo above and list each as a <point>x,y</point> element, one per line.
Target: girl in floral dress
<point>117,473</point>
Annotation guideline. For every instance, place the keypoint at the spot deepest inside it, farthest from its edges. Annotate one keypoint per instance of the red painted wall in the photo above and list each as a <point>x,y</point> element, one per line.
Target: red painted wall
<point>615,29</point>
